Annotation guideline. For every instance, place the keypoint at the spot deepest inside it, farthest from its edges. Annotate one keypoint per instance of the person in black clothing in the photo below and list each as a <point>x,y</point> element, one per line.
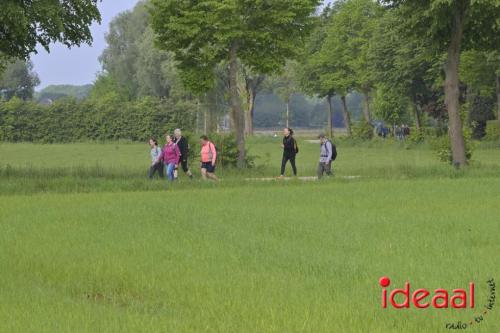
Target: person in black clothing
<point>290,150</point>
<point>183,145</point>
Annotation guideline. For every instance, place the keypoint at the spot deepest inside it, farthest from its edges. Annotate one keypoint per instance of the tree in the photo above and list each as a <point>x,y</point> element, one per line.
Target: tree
<point>260,35</point>
<point>26,23</point>
<point>253,84</point>
<point>19,80</point>
<point>125,47</point>
<point>403,64</point>
<point>450,27</point>
<point>315,67</point>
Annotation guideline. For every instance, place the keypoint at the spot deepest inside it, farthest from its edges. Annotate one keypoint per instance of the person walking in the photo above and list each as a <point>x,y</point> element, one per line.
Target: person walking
<point>290,151</point>
<point>183,145</point>
<point>170,157</point>
<point>208,158</point>
<point>156,163</point>
<point>327,154</point>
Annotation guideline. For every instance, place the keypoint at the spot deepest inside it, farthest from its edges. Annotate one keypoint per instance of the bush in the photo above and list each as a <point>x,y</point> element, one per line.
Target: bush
<point>442,145</point>
<point>107,118</point>
<point>493,130</point>
<point>362,130</point>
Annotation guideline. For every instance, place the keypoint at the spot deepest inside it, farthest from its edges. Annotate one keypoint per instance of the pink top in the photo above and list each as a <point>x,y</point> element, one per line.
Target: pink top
<point>170,154</point>
<point>208,153</point>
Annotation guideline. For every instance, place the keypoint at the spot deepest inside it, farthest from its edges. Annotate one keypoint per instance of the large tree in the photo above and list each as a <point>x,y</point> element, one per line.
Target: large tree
<point>260,35</point>
<point>18,80</point>
<point>26,23</point>
<point>450,26</point>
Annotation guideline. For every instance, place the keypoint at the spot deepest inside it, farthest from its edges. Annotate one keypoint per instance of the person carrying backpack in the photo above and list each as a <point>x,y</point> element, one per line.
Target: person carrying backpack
<point>290,151</point>
<point>328,154</point>
<point>208,158</point>
<point>156,163</point>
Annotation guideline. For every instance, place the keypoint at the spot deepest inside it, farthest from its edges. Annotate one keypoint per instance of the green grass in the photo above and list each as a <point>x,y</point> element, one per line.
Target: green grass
<point>239,256</point>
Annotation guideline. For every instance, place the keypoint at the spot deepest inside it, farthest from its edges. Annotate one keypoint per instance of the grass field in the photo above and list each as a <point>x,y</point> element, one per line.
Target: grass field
<point>88,245</point>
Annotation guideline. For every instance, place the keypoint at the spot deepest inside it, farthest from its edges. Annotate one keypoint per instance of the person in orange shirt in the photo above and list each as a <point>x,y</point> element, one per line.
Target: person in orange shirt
<point>208,158</point>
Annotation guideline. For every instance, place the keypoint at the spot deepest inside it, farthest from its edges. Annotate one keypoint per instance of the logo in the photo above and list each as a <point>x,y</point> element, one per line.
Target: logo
<point>422,298</point>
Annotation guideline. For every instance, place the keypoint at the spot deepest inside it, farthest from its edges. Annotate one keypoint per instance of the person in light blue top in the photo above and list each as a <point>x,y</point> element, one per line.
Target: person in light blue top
<point>156,163</point>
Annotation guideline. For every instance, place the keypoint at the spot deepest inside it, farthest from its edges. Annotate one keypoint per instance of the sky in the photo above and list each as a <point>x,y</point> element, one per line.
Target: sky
<point>78,65</point>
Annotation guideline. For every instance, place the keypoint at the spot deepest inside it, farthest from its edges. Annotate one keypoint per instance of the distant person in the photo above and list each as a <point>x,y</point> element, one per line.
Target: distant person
<point>170,157</point>
<point>208,158</point>
<point>290,151</point>
<point>328,153</point>
<point>156,163</point>
<point>183,145</point>
<point>406,130</point>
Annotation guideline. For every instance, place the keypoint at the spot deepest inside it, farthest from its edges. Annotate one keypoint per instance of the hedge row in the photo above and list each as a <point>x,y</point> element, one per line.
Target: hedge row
<point>105,119</point>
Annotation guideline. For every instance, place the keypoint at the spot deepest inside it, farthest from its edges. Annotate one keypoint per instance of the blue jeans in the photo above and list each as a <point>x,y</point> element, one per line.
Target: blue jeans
<point>169,170</point>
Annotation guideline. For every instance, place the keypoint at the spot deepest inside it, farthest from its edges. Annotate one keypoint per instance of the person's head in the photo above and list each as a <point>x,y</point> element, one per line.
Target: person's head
<point>178,133</point>
<point>203,139</point>
<point>322,138</point>
<point>287,131</point>
<point>153,143</point>
<point>168,138</point>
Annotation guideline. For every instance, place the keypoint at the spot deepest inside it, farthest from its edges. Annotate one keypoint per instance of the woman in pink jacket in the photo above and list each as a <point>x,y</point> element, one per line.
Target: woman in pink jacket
<point>170,156</point>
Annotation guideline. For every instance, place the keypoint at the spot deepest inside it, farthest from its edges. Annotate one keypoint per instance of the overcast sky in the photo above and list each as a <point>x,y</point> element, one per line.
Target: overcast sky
<point>78,65</point>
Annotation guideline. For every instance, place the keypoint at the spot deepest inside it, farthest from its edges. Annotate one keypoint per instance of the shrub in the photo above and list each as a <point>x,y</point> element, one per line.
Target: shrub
<point>493,130</point>
<point>362,130</point>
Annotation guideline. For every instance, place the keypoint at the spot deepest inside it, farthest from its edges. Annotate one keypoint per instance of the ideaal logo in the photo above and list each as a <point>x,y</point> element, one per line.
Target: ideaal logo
<point>460,298</point>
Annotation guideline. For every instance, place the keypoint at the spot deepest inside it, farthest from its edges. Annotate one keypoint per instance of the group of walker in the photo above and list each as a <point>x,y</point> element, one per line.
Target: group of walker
<point>175,153</point>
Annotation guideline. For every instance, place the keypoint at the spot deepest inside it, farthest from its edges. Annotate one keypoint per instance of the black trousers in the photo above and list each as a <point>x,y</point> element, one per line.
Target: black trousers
<point>287,158</point>
<point>158,167</point>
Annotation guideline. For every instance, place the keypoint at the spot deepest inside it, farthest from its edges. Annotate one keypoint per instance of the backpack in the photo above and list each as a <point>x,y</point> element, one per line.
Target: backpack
<point>296,146</point>
<point>334,150</point>
<point>210,152</point>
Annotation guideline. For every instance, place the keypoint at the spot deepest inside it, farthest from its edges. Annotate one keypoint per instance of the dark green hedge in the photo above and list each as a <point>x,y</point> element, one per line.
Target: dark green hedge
<point>105,119</point>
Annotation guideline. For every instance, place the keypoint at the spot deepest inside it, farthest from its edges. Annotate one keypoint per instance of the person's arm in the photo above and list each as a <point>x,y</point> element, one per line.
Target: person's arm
<point>177,154</point>
<point>214,153</point>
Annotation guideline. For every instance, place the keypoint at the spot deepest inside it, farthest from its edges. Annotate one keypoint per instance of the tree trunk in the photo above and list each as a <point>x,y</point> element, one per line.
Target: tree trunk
<point>330,115</point>
<point>416,109</point>
<point>251,95</point>
<point>288,114</point>
<point>366,108</point>
<point>237,116</point>
<point>498,97</point>
<point>451,88</point>
<point>347,116</point>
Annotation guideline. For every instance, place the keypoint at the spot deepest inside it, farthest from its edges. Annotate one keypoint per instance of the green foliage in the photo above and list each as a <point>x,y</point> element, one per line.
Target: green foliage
<point>493,130</point>
<point>107,118</point>
<point>202,33</point>
<point>390,104</point>
<point>26,24</point>
<point>362,130</point>
<point>18,80</point>
<point>55,92</point>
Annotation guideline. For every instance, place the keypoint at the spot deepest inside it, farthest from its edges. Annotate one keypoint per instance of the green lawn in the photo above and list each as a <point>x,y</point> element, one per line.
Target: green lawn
<point>129,256</point>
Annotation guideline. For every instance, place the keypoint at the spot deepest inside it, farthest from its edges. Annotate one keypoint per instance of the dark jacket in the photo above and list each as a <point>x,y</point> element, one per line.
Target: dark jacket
<point>183,145</point>
<point>290,146</point>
